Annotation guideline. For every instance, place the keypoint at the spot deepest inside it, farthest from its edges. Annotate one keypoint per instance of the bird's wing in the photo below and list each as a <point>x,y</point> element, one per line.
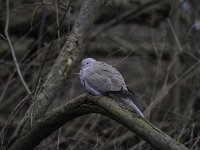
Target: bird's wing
<point>103,77</point>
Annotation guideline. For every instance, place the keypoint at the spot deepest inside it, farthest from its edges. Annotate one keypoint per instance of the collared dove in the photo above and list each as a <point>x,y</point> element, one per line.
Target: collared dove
<point>100,78</point>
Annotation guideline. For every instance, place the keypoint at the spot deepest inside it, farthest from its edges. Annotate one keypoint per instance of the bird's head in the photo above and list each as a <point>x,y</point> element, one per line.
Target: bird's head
<point>87,61</point>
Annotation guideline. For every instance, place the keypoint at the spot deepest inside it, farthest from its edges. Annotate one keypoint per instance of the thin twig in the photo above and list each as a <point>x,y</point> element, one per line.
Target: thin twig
<point>64,8</point>
<point>13,49</point>
<point>32,18</point>
<point>3,37</point>
<point>168,87</point>
<point>57,19</point>
<point>12,116</point>
<point>126,45</point>
<point>133,13</point>
<point>175,36</point>
<point>3,93</point>
<point>58,141</point>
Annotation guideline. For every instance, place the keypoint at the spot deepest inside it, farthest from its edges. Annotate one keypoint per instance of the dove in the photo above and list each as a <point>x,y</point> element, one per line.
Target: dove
<point>100,78</point>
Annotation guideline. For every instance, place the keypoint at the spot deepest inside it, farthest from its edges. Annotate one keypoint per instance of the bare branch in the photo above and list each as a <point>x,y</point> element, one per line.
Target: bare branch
<point>85,104</point>
<point>65,61</point>
<point>13,49</point>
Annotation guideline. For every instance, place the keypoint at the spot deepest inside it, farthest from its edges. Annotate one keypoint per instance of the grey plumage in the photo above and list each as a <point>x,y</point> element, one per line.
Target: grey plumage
<point>101,78</point>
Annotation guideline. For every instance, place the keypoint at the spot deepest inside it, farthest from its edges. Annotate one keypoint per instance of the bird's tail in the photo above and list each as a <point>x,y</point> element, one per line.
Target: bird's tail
<point>130,103</point>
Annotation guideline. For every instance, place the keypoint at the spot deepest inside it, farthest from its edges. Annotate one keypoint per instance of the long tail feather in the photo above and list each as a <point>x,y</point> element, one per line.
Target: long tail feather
<point>132,105</point>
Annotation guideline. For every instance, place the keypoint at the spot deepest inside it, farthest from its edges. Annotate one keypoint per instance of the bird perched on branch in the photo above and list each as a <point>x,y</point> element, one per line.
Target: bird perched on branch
<point>100,78</point>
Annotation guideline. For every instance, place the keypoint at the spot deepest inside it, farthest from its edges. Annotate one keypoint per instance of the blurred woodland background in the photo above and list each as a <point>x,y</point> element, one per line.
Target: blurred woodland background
<point>154,44</point>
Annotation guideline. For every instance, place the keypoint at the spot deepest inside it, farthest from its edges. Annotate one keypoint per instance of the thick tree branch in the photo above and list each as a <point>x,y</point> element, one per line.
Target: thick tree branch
<point>85,104</point>
<point>67,57</point>
<point>65,61</point>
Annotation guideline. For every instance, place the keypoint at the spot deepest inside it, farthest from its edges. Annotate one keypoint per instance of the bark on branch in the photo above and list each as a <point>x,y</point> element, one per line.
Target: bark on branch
<point>67,57</point>
<point>85,104</point>
<point>65,61</point>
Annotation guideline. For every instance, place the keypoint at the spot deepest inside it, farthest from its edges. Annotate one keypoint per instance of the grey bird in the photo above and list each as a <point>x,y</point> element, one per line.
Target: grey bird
<point>100,78</point>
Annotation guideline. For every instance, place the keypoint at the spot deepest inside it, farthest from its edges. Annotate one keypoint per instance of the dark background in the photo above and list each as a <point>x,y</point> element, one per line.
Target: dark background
<point>154,44</point>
